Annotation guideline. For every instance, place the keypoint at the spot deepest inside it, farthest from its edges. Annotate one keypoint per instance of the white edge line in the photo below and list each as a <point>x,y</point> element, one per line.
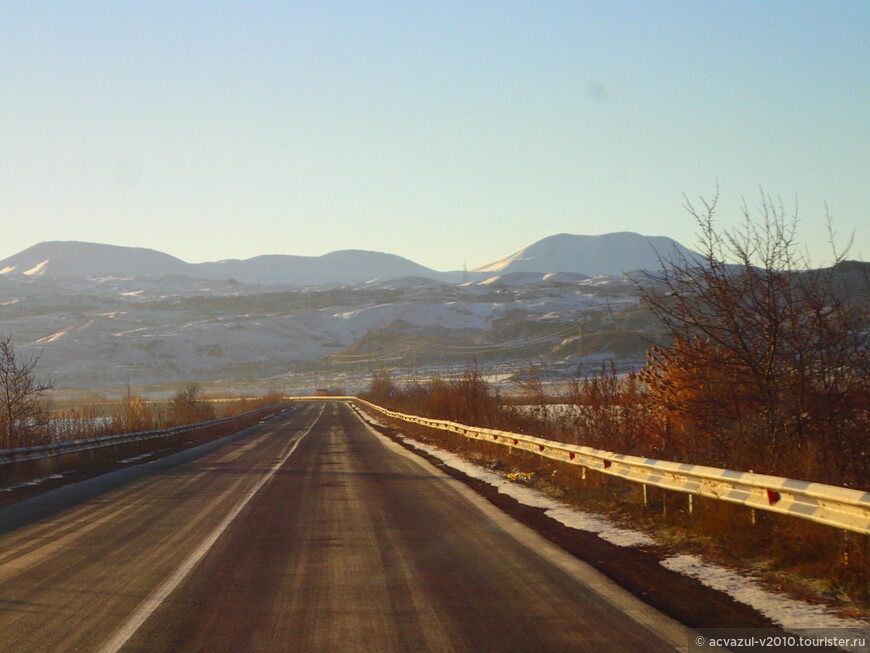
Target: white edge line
<point>150,604</point>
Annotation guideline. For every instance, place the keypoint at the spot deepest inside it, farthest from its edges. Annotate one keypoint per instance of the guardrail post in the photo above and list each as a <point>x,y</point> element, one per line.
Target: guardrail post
<point>690,504</point>
<point>645,499</point>
<point>846,548</point>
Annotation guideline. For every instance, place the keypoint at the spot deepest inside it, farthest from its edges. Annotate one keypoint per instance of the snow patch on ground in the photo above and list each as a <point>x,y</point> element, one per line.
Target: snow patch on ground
<point>36,481</point>
<point>136,458</point>
<point>584,521</point>
<point>787,612</point>
<point>53,337</point>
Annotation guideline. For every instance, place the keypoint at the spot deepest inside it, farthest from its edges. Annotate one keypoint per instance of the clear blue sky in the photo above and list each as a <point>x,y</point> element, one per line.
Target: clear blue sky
<point>446,132</point>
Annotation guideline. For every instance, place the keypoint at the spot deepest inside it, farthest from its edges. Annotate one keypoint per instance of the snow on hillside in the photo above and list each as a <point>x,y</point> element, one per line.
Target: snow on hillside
<point>512,279</point>
<point>420,283</point>
<point>85,260</point>
<point>347,266</point>
<point>38,269</point>
<point>104,316</point>
<point>109,331</point>
<point>609,254</point>
<point>564,277</point>
<point>78,259</point>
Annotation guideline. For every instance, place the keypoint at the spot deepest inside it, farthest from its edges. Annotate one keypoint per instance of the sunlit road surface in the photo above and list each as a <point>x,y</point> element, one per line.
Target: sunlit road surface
<point>309,533</point>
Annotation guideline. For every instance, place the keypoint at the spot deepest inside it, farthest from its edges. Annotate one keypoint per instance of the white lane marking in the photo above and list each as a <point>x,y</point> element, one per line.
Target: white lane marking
<point>149,605</point>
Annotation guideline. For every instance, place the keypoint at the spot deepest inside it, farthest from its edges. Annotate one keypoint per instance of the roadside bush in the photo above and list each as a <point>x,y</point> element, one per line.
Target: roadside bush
<point>468,398</point>
<point>189,406</point>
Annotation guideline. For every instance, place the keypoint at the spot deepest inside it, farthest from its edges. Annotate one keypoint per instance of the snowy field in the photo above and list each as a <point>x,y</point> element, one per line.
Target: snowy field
<point>110,331</point>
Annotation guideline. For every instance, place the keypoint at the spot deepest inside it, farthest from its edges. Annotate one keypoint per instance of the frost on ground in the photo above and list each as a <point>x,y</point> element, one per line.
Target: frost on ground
<point>788,613</point>
<point>36,481</point>
<point>136,458</point>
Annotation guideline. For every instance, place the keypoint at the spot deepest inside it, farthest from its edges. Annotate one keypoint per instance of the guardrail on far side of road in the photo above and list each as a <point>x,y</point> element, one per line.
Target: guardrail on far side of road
<point>57,449</point>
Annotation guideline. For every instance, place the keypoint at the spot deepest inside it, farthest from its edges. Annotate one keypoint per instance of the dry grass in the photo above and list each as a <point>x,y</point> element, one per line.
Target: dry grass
<point>132,413</point>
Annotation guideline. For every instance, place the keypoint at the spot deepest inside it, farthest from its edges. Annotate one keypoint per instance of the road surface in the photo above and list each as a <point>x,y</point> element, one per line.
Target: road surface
<point>307,533</point>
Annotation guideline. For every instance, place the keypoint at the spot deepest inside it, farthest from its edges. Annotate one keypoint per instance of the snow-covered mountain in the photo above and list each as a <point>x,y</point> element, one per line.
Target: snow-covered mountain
<point>608,254</point>
<point>102,316</point>
<point>75,259</point>
<point>81,260</point>
<point>345,266</point>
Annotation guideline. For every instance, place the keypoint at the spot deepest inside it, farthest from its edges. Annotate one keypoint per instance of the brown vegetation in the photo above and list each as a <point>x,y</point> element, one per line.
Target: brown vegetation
<point>768,371</point>
<point>769,367</point>
<point>22,410</point>
<point>133,413</point>
<point>468,399</point>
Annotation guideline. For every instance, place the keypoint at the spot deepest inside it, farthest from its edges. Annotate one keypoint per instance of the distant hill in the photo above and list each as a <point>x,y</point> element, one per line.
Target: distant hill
<point>79,259</point>
<point>609,254</point>
<point>346,266</point>
<point>103,316</point>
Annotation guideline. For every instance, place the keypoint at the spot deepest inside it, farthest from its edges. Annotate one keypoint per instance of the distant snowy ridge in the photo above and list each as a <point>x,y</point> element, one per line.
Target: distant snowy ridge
<point>563,254</point>
<point>81,260</point>
<point>346,266</point>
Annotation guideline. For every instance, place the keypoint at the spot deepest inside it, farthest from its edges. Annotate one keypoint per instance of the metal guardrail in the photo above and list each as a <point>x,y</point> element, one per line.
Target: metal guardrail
<point>22,454</point>
<point>840,507</point>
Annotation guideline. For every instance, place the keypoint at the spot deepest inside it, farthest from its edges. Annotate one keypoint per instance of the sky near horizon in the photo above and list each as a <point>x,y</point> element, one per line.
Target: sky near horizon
<point>449,133</point>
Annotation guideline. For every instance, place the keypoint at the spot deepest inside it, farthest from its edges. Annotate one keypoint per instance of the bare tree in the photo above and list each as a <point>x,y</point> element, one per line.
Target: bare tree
<point>381,388</point>
<point>769,364</point>
<point>22,415</point>
<point>189,406</point>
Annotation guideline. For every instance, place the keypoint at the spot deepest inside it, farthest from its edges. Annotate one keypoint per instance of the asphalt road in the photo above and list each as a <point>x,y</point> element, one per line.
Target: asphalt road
<point>307,533</point>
